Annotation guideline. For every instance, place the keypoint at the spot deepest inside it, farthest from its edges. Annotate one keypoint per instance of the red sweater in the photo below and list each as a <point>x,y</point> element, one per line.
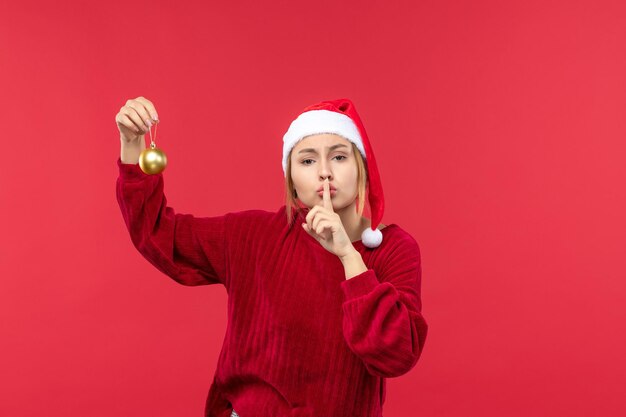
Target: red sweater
<point>301,340</point>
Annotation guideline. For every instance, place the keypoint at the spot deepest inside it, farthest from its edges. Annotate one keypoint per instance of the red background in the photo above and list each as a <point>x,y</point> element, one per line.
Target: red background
<point>499,133</point>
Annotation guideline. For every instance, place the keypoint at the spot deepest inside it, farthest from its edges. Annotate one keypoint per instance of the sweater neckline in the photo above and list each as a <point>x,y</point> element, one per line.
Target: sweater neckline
<point>356,243</point>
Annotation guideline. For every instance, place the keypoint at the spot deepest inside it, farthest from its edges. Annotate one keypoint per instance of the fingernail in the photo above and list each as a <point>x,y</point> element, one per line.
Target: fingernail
<point>155,117</point>
<point>149,123</point>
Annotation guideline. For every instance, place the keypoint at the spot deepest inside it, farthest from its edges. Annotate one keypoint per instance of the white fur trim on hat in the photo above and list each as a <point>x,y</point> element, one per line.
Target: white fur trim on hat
<point>320,121</point>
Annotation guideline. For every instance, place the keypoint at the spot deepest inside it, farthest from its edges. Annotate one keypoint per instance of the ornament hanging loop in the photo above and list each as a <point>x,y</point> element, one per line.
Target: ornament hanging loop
<point>152,161</point>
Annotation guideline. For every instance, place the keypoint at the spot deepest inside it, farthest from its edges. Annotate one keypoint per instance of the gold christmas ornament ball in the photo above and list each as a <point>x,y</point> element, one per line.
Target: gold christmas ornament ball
<point>152,161</point>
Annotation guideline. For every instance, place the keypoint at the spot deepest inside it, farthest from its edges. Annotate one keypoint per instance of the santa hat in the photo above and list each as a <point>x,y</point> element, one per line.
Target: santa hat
<point>340,117</point>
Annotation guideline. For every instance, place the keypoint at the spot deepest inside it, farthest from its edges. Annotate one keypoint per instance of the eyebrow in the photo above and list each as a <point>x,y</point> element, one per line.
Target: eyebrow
<point>328,147</point>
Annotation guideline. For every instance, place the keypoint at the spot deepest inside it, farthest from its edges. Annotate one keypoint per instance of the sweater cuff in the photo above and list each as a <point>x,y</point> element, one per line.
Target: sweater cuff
<point>130,171</point>
<point>359,285</point>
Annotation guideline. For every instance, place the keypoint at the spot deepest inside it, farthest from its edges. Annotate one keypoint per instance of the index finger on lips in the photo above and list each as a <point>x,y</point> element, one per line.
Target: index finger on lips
<point>328,204</point>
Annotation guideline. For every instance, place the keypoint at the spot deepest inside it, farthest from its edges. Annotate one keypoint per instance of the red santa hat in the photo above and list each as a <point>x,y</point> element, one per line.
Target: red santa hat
<point>340,117</point>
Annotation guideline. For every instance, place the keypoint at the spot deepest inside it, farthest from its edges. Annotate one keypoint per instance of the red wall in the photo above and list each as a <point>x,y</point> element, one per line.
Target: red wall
<point>499,131</point>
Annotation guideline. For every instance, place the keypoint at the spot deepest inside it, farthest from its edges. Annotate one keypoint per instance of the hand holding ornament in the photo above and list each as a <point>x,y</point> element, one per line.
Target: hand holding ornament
<point>134,119</point>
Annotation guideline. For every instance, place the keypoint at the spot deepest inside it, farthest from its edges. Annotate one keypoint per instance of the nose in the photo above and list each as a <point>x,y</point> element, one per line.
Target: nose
<point>324,176</point>
<point>324,171</point>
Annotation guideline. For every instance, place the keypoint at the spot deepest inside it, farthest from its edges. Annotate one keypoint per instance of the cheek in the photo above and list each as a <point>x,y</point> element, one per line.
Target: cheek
<point>351,177</point>
<point>295,175</point>
<point>298,177</point>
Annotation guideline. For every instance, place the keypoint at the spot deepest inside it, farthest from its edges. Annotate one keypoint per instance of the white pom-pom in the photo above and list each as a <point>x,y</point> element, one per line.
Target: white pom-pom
<point>372,238</point>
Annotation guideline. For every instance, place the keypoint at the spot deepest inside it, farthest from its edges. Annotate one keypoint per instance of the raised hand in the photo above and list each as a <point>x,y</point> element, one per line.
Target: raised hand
<point>325,226</point>
<point>135,118</point>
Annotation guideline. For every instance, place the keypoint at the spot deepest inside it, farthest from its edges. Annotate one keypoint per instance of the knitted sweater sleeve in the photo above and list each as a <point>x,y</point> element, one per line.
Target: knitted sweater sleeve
<point>382,320</point>
<point>189,249</point>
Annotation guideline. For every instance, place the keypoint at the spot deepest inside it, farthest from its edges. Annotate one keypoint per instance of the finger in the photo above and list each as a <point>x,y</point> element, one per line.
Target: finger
<point>308,230</point>
<point>312,232</point>
<point>320,216</point>
<point>132,115</point>
<point>143,108</point>
<point>327,203</point>
<point>311,215</point>
<point>323,225</point>
<point>123,120</point>
<point>150,107</point>
<point>141,111</point>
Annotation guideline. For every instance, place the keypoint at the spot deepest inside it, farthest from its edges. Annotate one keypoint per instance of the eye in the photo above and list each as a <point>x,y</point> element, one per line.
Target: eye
<point>337,156</point>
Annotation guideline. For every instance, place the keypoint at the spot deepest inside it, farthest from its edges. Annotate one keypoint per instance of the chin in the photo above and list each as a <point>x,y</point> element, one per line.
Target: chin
<point>319,203</point>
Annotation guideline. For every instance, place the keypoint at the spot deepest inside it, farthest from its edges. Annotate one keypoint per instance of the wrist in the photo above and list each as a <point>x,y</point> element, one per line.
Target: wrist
<point>353,264</point>
<point>129,152</point>
<point>351,256</point>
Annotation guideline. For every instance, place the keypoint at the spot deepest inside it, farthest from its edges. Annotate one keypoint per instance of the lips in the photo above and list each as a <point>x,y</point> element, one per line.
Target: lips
<point>330,187</point>
<point>332,192</point>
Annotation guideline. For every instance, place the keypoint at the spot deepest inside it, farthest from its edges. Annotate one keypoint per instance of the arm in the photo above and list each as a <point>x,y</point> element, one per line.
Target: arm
<point>191,250</point>
<point>382,320</point>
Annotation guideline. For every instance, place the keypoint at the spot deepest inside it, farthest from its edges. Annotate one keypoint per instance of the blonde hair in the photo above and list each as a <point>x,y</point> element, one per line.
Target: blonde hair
<point>292,203</point>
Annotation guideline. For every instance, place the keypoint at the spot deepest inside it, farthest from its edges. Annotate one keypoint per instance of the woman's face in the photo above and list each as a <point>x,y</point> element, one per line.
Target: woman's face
<point>319,156</point>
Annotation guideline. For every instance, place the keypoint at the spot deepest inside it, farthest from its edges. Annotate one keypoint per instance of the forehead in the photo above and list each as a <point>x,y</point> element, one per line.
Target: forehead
<point>322,140</point>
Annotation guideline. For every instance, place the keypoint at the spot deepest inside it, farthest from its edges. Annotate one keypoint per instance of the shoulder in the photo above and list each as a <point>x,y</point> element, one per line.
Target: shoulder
<point>397,235</point>
<point>399,257</point>
<point>399,243</point>
<point>250,214</point>
<point>252,219</point>
<point>252,231</point>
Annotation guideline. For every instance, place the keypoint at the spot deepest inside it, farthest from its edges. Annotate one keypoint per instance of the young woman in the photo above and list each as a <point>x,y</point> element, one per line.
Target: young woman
<point>323,304</point>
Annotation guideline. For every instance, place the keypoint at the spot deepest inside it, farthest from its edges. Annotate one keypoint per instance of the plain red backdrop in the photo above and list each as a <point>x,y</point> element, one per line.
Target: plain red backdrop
<point>499,132</point>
